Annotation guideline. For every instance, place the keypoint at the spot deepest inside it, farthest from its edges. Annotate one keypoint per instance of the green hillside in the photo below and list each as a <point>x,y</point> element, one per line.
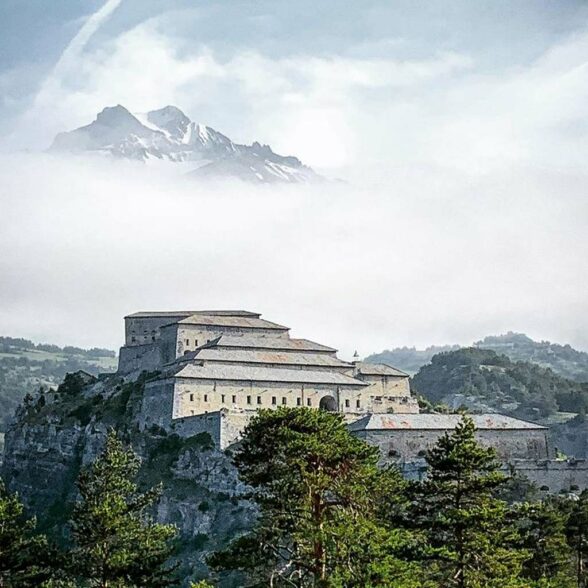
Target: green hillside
<point>520,388</point>
<point>562,359</point>
<point>25,366</point>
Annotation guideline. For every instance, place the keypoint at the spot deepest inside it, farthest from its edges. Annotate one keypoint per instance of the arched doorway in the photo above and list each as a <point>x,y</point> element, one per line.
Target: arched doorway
<point>328,403</point>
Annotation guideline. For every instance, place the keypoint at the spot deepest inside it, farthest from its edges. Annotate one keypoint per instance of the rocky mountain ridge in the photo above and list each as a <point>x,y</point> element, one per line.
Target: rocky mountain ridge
<point>167,134</point>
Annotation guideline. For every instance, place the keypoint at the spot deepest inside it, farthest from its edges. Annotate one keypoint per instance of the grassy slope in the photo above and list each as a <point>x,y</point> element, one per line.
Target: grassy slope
<point>24,368</point>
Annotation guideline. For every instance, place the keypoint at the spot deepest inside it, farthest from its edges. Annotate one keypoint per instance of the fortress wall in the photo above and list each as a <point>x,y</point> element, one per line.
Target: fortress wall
<point>139,358</point>
<point>144,330</point>
<point>199,396</point>
<point>548,475</point>
<point>409,444</point>
<point>387,385</point>
<point>157,404</point>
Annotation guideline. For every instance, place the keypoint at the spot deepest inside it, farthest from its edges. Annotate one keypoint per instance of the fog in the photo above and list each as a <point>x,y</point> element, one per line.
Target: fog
<point>425,256</point>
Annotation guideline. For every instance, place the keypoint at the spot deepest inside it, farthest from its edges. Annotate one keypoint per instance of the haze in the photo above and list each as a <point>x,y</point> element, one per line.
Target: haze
<point>460,135</point>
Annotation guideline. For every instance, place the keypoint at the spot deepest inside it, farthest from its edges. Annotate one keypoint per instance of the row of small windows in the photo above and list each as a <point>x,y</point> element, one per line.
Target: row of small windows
<point>274,400</point>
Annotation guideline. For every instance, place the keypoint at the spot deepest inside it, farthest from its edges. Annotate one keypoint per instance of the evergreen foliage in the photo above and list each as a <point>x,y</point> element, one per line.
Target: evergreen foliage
<point>25,558</point>
<point>116,542</point>
<point>319,491</point>
<point>468,538</point>
<point>497,381</point>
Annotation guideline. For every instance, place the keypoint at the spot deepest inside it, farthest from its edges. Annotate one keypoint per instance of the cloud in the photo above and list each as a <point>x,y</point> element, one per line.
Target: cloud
<point>85,242</point>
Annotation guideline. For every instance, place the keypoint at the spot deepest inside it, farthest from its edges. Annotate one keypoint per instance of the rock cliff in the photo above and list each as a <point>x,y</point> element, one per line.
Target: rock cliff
<point>56,434</point>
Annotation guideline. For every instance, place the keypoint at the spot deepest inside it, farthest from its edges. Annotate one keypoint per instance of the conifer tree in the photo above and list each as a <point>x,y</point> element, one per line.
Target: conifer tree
<point>318,489</point>
<point>542,529</point>
<point>24,556</point>
<point>468,537</point>
<point>577,534</point>
<point>117,544</point>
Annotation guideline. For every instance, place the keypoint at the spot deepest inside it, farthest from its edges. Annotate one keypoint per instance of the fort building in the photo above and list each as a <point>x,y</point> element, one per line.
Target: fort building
<point>216,369</point>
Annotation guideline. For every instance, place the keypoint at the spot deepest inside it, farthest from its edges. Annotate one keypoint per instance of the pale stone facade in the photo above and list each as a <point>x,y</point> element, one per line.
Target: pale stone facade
<point>235,362</point>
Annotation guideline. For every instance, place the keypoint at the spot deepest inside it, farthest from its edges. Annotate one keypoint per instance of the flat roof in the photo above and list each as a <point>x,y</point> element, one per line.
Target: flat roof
<point>187,313</point>
<point>442,422</point>
<point>263,374</point>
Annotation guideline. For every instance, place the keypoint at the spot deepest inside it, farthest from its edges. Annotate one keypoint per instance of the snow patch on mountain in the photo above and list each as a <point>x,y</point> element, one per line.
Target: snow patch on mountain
<point>167,134</point>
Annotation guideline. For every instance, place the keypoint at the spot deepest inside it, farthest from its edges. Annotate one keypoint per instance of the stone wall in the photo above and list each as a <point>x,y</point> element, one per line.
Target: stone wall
<point>549,475</point>
<point>194,397</point>
<point>409,444</point>
<point>139,358</point>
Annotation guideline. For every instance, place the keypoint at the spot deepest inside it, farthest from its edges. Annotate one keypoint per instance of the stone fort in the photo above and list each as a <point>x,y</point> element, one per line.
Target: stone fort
<point>216,368</point>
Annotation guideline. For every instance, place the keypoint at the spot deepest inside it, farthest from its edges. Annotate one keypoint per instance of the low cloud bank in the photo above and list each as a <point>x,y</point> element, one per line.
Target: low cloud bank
<point>426,256</point>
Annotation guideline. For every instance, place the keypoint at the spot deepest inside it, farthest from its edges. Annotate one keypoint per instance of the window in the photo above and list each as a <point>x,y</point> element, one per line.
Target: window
<point>298,401</point>
<point>284,400</point>
<point>152,337</point>
<point>347,403</point>
<point>259,400</point>
<point>223,398</point>
<point>234,399</point>
<point>191,397</point>
<point>357,403</point>
<point>188,342</point>
<point>308,402</point>
<point>195,342</point>
<point>274,401</point>
<point>206,398</point>
<point>133,339</point>
<point>248,399</point>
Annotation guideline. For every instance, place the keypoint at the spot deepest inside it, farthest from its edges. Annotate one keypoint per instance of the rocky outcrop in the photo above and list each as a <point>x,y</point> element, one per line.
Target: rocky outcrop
<point>51,440</point>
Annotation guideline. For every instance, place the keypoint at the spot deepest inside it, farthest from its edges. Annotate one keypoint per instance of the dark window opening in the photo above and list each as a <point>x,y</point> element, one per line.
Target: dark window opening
<point>248,399</point>
<point>206,398</point>
<point>357,403</point>
<point>274,401</point>
<point>347,403</point>
<point>191,397</point>
<point>298,401</point>
<point>259,400</point>
<point>223,398</point>
<point>284,400</point>
<point>234,400</point>
<point>308,402</point>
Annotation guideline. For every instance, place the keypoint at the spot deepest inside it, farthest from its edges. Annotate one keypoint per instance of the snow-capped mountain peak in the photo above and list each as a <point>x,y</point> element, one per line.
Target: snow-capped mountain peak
<point>168,134</point>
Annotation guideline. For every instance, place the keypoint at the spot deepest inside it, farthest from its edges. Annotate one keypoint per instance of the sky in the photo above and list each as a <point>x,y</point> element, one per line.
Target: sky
<point>459,130</point>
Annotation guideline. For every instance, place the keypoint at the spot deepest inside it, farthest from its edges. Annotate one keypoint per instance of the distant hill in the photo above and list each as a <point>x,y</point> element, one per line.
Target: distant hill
<point>25,366</point>
<point>562,359</point>
<point>481,379</point>
<point>409,359</point>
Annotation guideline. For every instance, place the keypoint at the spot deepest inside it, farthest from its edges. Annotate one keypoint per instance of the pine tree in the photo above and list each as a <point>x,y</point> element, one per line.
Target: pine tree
<point>577,534</point>
<point>116,542</point>
<point>468,536</point>
<point>24,557</point>
<point>319,490</point>
<point>542,529</point>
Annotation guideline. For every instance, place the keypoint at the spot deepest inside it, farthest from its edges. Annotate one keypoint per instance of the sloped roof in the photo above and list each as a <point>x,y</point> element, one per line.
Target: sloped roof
<point>240,322</point>
<point>378,369</point>
<point>442,422</point>
<point>276,343</point>
<point>187,313</point>
<point>271,356</point>
<point>263,374</point>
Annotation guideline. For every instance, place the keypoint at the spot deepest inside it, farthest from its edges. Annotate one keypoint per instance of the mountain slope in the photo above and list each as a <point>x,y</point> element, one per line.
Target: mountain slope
<point>562,359</point>
<point>169,135</point>
<point>25,367</point>
<point>473,377</point>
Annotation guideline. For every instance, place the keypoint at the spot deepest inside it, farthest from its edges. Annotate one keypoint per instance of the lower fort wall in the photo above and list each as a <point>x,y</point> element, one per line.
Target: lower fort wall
<point>410,444</point>
<point>548,475</point>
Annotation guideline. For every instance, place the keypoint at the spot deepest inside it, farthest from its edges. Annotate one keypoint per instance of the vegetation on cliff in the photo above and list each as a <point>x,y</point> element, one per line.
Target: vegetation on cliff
<point>26,366</point>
